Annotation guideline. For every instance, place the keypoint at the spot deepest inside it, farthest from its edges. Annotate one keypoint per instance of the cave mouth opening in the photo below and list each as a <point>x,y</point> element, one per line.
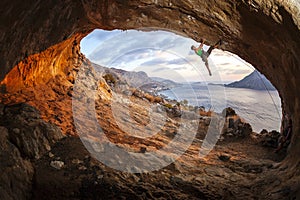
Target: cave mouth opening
<point>165,55</point>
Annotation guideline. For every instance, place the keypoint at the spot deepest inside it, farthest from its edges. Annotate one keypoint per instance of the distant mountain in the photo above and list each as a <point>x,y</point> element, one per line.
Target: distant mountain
<point>134,79</point>
<point>166,82</point>
<point>255,81</point>
<point>137,79</point>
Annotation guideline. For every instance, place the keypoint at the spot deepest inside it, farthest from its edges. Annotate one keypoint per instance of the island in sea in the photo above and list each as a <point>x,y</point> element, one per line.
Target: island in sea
<point>255,81</point>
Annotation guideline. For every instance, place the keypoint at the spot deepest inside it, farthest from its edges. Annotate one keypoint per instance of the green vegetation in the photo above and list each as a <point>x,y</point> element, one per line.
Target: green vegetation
<point>168,105</point>
<point>110,79</point>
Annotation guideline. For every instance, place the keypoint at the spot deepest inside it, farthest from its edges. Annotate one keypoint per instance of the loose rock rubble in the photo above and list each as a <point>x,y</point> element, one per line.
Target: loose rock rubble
<point>57,164</point>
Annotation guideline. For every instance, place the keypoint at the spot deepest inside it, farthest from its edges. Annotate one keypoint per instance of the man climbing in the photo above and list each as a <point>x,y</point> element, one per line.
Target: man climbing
<point>204,54</point>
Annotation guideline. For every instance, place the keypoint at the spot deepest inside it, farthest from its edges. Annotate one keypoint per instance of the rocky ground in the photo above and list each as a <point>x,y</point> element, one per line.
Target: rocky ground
<point>46,169</point>
<point>225,174</point>
<point>42,156</point>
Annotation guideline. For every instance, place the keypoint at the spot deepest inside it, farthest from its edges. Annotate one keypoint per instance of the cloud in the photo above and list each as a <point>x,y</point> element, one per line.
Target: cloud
<point>157,61</point>
<point>224,64</point>
<point>219,54</point>
<point>163,62</point>
<point>133,42</point>
<point>232,70</point>
<point>129,43</point>
<point>105,56</point>
<point>169,41</point>
<point>160,69</point>
<point>102,35</point>
<point>179,68</point>
<point>240,71</point>
<point>179,61</point>
<point>191,53</point>
<point>96,38</point>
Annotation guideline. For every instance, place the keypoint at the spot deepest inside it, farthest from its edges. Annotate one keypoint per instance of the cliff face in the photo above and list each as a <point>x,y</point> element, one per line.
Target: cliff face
<point>38,41</point>
<point>45,81</point>
<point>57,61</point>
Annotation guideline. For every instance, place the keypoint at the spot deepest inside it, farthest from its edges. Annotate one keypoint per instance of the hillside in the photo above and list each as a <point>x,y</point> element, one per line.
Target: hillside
<point>255,81</point>
<point>137,79</point>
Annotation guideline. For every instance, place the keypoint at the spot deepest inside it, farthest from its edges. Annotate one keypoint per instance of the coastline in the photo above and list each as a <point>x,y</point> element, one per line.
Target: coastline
<point>247,103</point>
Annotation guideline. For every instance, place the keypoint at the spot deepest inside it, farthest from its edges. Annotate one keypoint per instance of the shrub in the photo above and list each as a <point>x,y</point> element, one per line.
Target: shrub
<point>110,79</point>
<point>167,105</point>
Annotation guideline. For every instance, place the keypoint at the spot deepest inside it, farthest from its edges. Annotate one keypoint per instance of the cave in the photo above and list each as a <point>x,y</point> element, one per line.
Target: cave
<point>41,55</point>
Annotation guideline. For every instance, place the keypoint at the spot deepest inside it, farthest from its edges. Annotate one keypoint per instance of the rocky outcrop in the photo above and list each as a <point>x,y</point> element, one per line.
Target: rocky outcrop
<point>27,131</point>
<point>269,139</point>
<point>24,137</point>
<point>58,62</point>
<point>235,126</point>
<point>45,81</point>
<point>16,172</point>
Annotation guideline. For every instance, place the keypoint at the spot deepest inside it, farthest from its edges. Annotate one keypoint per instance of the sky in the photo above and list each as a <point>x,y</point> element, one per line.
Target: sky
<point>161,54</point>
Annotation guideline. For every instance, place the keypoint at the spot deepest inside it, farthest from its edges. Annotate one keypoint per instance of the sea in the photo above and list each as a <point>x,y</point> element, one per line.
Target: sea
<point>261,109</point>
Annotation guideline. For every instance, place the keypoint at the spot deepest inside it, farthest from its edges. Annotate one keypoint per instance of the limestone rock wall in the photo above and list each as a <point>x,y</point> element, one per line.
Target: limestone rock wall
<point>57,61</point>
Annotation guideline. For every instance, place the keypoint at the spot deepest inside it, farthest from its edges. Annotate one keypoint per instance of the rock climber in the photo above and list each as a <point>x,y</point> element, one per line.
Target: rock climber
<point>204,54</point>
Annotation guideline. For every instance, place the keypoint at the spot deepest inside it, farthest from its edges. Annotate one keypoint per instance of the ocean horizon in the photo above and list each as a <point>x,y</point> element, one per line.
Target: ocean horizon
<point>261,109</point>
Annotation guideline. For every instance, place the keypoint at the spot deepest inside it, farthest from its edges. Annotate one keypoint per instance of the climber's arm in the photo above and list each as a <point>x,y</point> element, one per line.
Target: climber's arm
<point>201,44</point>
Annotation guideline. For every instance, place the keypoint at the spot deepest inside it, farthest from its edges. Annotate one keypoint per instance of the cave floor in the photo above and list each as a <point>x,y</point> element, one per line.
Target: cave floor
<point>233,170</point>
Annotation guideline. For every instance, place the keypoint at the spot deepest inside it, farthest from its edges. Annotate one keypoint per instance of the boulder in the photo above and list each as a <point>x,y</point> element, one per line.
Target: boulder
<point>236,128</point>
<point>24,136</point>
<point>16,172</point>
<point>28,132</point>
<point>270,139</point>
<point>228,112</point>
<point>57,164</point>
